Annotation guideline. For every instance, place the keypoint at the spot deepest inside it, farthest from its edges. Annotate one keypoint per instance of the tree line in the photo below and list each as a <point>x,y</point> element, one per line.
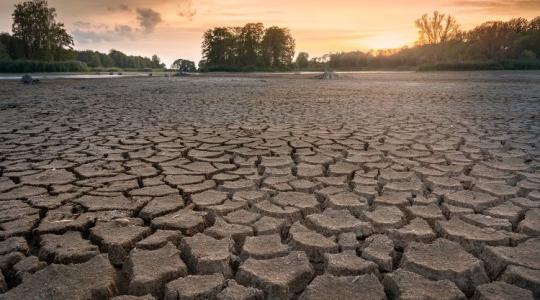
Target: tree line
<point>441,44</point>
<point>37,38</point>
<point>247,48</point>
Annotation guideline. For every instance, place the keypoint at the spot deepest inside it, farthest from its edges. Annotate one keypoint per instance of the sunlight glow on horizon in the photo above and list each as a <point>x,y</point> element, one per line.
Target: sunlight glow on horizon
<point>388,41</point>
<point>318,26</point>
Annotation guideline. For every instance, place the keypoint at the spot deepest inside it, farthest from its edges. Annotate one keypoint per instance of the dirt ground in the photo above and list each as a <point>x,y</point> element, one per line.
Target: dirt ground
<point>272,186</point>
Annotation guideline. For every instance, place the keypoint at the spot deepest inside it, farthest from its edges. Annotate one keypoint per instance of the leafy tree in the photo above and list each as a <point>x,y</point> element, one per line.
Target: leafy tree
<point>528,55</point>
<point>91,58</point>
<point>529,41</point>
<point>156,62</point>
<point>203,65</point>
<point>35,25</point>
<point>219,47</point>
<point>302,60</point>
<point>14,47</point>
<point>120,59</point>
<point>494,39</point>
<point>278,47</point>
<point>3,53</point>
<point>184,65</point>
<point>518,25</point>
<point>439,28</point>
<point>344,60</point>
<point>249,44</point>
<point>534,24</point>
<point>106,60</point>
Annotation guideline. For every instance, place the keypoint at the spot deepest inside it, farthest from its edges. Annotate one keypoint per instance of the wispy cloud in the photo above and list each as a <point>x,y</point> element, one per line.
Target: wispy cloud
<point>497,6</point>
<point>186,10</point>
<point>119,7</point>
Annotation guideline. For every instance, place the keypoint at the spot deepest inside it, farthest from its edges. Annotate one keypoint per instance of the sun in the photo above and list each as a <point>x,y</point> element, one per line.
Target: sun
<point>387,41</point>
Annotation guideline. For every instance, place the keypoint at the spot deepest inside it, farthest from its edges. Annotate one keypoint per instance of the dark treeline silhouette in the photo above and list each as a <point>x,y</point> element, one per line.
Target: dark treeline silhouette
<point>117,59</point>
<point>39,43</point>
<point>184,65</point>
<point>441,45</point>
<point>251,47</point>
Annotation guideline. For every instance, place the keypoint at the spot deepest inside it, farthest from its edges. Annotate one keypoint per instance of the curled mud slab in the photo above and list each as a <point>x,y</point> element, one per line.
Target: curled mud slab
<point>373,186</point>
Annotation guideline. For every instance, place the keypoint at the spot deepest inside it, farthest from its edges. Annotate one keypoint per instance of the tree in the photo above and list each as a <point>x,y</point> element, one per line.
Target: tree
<point>35,25</point>
<point>156,62</point>
<point>249,44</point>
<point>14,47</point>
<point>437,29</point>
<point>518,25</point>
<point>3,53</point>
<point>534,24</point>
<point>219,46</point>
<point>302,60</point>
<point>120,59</point>
<point>278,47</point>
<point>184,65</point>
<point>494,39</point>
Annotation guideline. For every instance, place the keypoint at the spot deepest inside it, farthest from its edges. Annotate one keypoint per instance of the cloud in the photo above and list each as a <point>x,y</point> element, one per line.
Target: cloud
<point>495,5</point>
<point>148,19</point>
<point>120,7</point>
<point>87,33</point>
<point>185,9</point>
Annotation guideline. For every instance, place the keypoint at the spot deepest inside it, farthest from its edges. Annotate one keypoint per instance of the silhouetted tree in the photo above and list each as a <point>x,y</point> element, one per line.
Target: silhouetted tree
<point>302,60</point>
<point>278,47</point>
<point>249,44</point>
<point>35,25</point>
<point>219,47</point>
<point>3,53</point>
<point>534,24</point>
<point>156,62</point>
<point>518,25</point>
<point>493,39</point>
<point>439,28</point>
<point>14,46</point>
<point>184,65</point>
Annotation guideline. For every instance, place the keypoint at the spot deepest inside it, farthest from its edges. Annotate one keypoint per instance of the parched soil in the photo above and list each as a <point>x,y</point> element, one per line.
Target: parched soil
<point>372,186</point>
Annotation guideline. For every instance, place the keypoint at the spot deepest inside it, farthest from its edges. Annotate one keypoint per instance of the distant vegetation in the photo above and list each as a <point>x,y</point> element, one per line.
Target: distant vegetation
<point>247,48</point>
<point>40,44</point>
<point>442,45</point>
<point>184,65</point>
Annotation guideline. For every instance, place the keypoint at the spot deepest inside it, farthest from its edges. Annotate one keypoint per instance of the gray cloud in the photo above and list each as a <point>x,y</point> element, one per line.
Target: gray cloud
<point>148,19</point>
<point>87,34</point>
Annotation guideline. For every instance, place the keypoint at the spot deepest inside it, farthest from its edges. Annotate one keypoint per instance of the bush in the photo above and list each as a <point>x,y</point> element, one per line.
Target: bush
<point>461,66</point>
<point>32,66</point>
<point>245,69</point>
<point>513,64</point>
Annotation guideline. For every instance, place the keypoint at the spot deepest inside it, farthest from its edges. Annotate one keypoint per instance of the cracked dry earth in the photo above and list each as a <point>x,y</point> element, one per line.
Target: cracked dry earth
<point>374,186</point>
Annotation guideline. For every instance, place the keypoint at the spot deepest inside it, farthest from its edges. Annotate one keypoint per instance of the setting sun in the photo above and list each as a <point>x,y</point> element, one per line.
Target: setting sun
<point>388,41</point>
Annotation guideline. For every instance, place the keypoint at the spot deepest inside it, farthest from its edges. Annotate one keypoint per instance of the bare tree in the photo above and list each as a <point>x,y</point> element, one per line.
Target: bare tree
<point>437,29</point>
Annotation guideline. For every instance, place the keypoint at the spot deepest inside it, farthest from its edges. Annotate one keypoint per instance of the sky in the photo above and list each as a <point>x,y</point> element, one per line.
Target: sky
<point>173,28</point>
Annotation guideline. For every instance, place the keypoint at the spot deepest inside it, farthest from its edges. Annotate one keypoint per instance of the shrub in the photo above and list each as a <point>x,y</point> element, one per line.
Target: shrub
<point>32,66</point>
<point>461,66</point>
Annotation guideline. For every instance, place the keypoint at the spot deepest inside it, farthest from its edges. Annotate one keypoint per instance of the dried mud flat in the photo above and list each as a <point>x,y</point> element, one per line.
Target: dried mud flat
<point>373,186</point>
